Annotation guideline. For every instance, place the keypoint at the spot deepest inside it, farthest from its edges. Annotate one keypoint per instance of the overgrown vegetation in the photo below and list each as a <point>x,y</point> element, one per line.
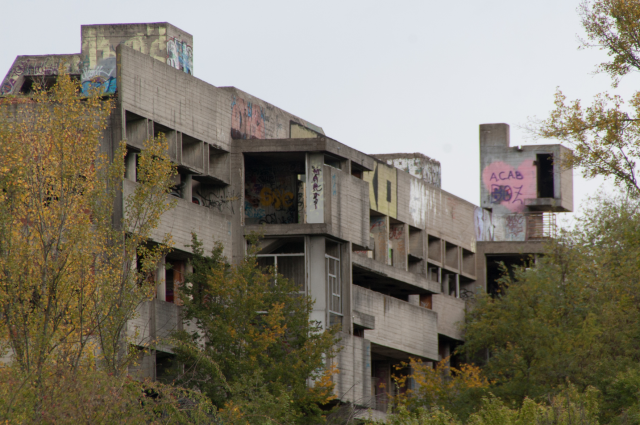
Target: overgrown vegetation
<point>250,346</point>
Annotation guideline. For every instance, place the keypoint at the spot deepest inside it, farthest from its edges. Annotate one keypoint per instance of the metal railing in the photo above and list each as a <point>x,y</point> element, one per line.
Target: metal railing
<point>541,226</point>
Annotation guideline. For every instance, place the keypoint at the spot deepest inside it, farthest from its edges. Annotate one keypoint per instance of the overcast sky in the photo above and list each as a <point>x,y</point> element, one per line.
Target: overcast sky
<point>401,76</point>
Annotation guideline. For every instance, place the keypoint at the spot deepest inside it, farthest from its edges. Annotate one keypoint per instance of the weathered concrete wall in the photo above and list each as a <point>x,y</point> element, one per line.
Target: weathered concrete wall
<point>399,325</point>
<point>416,164</point>
<point>187,217</point>
<point>155,90</point>
<point>353,383</point>
<point>451,313</point>
<point>349,201</point>
<point>442,214</point>
<point>253,118</point>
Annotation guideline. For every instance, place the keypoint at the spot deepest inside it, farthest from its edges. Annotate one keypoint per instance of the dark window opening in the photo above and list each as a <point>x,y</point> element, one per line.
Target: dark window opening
<point>358,331</point>
<point>495,272</point>
<point>166,367</point>
<point>169,285</point>
<point>545,175</point>
<point>45,82</point>
<point>388,191</point>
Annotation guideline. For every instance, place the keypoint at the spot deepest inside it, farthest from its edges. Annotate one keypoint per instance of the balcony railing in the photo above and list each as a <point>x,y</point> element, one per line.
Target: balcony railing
<point>541,226</point>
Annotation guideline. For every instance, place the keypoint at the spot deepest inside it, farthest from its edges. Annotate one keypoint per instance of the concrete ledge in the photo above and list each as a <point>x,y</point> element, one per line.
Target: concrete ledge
<point>451,313</point>
<point>404,328</point>
<point>287,229</point>
<point>365,320</point>
<point>417,283</point>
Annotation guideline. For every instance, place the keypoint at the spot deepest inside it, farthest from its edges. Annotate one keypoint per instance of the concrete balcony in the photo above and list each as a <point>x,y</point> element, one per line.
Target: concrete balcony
<point>451,313</point>
<point>399,326</point>
<point>154,321</point>
<point>208,223</point>
<point>382,277</point>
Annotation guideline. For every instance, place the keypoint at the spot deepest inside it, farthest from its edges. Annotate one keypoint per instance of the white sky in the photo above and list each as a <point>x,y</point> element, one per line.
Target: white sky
<point>382,77</point>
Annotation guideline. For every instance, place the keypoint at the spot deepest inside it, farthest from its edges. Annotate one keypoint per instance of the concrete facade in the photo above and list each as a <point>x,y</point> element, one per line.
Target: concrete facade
<point>384,251</point>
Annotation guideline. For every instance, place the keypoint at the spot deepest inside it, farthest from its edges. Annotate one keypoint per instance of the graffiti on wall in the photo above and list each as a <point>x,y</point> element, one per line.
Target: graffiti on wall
<point>316,185</point>
<point>180,55</point>
<point>221,201</point>
<point>270,194</point>
<point>39,66</point>
<point>515,227</point>
<point>509,186</point>
<point>102,77</point>
<point>247,120</point>
<point>483,224</point>
<point>315,189</point>
<point>383,187</point>
<point>422,168</point>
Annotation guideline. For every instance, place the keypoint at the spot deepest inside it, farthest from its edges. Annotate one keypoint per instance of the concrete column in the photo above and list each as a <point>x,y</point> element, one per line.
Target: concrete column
<point>457,286</point>
<point>161,287</point>
<point>445,284</point>
<point>130,166</point>
<point>317,280</point>
<point>187,187</point>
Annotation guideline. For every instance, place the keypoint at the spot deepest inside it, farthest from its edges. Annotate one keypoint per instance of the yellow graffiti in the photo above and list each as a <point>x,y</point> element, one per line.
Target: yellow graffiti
<point>276,197</point>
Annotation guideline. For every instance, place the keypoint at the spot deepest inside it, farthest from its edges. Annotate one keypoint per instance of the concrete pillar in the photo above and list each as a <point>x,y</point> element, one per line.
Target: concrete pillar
<point>494,135</point>
<point>130,166</point>
<point>317,279</point>
<point>445,284</point>
<point>457,286</point>
<point>187,187</point>
<point>161,288</point>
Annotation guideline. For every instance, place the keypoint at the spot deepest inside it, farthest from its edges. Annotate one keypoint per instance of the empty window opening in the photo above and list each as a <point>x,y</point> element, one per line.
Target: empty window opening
<point>45,82</point>
<point>274,193</point>
<point>495,270</point>
<point>332,161</point>
<point>435,248</point>
<point>544,163</point>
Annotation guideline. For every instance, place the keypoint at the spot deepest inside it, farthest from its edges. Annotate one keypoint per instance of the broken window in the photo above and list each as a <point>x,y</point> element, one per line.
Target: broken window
<point>287,259</point>
<point>545,179</point>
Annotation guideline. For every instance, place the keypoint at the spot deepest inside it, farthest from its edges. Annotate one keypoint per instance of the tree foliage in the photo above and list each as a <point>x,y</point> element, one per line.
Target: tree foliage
<point>569,407</point>
<point>445,387</point>
<point>606,135</point>
<point>249,344</point>
<point>68,275</point>
<point>574,316</point>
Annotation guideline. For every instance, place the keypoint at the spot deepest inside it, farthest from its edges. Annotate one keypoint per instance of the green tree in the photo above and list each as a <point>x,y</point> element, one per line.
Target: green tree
<point>251,346</point>
<point>68,276</point>
<point>606,135</point>
<point>574,316</point>
<point>569,407</point>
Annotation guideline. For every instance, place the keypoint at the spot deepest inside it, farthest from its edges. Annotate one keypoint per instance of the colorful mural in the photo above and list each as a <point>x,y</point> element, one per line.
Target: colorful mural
<point>270,194</point>
<point>383,189</point>
<point>509,186</point>
<point>37,67</point>
<point>102,77</point>
<point>247,120</point>
<point>180,55</point>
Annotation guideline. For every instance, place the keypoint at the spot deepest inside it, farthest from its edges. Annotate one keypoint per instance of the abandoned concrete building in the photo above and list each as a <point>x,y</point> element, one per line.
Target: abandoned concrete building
<point>382,249</point>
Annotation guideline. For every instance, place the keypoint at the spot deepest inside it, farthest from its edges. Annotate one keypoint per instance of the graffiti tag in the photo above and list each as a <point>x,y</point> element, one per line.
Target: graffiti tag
<point>316,187</point>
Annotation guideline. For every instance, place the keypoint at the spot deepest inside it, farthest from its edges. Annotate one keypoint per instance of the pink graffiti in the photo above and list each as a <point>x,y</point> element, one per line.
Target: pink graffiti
<point>247,120</point>
<point>509,186</point>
